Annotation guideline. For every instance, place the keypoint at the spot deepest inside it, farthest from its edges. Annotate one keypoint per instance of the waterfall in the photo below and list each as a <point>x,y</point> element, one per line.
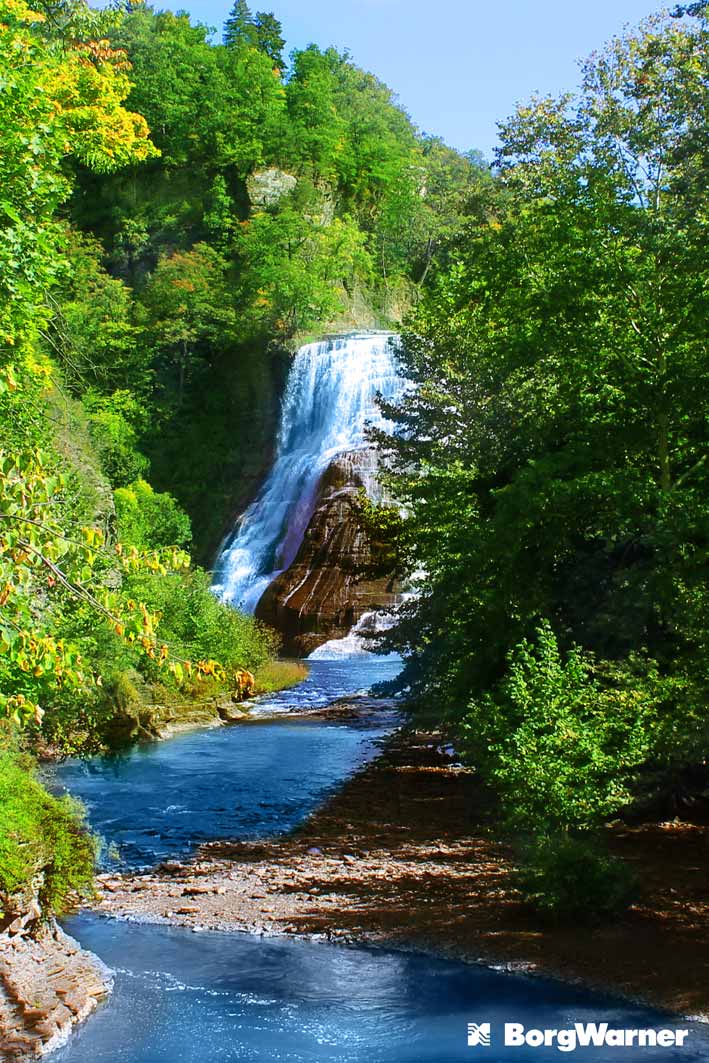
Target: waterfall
<point>328,402</point>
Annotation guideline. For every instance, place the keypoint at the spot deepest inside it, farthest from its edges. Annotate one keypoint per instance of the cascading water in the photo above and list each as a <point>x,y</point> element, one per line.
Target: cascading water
<point>329,400</point>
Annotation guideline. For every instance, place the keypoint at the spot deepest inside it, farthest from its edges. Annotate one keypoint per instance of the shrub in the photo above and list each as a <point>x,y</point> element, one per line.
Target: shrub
<point>560,747</point>
<point>112,420</point>
<point>564,877</point>
<point>197,626</point>
<point>40,833</point>
<point>150,519</point>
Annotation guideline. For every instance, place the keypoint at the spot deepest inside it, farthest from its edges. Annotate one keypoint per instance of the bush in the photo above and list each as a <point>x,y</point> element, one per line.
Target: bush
<point>197,626</point>
<point>42,834</point>
<point>112,421</point>
<point>562,749</point>
<point>563,877</point>
<point>150,519</point>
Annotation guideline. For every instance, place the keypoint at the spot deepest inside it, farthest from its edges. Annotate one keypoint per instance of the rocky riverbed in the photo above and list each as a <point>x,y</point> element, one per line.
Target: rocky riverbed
<point>403,855</point>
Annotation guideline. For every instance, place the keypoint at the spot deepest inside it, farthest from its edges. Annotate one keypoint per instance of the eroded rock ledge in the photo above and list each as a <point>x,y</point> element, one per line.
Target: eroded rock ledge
<point>48,983</point>
<point>331,582</point>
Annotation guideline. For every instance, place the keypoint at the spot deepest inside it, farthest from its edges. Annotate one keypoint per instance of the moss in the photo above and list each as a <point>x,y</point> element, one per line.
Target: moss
<point>42,838</point>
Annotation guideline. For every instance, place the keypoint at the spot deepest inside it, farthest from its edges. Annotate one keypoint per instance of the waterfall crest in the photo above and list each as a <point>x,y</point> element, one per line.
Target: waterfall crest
<point>328,402</point>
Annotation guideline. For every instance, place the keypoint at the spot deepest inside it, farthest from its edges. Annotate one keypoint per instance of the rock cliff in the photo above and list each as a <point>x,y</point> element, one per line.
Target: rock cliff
<point>330,584</point>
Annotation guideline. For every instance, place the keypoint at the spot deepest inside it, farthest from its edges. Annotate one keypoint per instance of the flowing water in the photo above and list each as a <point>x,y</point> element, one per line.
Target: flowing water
<point>182,997</point>
<point>329,400</point>
<point>250,780</point>
<point>185,997</point>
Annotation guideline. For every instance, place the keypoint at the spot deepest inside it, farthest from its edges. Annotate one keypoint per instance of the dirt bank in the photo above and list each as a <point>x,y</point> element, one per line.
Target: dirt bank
<point>403,855</point>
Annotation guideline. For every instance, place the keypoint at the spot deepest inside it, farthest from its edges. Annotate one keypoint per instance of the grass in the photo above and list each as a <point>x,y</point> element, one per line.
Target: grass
<point>278,675</point>
<point>44,842</point>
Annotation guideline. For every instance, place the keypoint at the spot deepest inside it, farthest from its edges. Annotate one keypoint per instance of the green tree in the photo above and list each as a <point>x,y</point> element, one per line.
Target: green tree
<point>57,102</point>
<point>562,749</point>
<point>269,36</point>
<point>150,519</point>
<point>553,453</point>
<point>239,28</point>
<point>294,267</point>
<point>190,312</point>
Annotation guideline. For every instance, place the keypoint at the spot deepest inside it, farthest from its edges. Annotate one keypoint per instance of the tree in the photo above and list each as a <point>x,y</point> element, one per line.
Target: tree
<point>94,335</point>
<point>552,456</point>
<point>239,28</point>
<point>562,749</point>
<point>41,558</point>
<point>66,100</point>
<point>316,131</point>
<point>293,268</point>
<point>269,36</point>
<point>57,102</point>
<point>190,313</point>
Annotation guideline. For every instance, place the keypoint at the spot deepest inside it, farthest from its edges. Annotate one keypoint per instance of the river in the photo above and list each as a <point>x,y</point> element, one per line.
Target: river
<point>185,997</point>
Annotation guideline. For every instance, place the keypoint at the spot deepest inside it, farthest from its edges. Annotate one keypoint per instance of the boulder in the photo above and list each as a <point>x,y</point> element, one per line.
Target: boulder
<point>231,714</point>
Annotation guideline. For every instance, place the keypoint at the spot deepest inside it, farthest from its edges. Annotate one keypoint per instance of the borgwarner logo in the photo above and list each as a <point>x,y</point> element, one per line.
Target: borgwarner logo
<point>479,1034</point>
<point>580,1035</point>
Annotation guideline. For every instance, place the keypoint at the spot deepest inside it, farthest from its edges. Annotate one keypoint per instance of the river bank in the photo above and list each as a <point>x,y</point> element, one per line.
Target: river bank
<point>48,986</point>
<point>402,855</point>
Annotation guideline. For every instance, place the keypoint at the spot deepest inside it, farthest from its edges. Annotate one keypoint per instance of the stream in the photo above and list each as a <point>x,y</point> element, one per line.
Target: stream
<point>250,780</point>
<point>212,997</point>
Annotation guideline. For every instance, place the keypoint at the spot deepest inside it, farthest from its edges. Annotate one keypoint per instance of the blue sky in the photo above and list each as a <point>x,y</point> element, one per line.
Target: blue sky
<point>458,66</point>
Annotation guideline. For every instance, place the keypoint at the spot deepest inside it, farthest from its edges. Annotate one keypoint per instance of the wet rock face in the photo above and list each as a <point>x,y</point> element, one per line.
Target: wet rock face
<point>329,585</point>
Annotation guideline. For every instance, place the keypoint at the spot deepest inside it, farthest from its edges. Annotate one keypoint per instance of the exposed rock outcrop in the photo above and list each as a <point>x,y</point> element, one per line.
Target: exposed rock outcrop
<point>48,983</point>
<point>330,584</point>
<point>267,187</point>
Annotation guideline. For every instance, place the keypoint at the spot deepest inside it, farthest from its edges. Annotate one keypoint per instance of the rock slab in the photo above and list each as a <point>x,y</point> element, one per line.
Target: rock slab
<point>335,577</point>
<point>48,984</point>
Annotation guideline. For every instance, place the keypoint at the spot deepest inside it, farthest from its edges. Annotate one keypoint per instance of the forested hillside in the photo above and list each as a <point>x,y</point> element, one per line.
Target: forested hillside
<point>173,211</point>
<point>287,193</point>
<point>553,463</point>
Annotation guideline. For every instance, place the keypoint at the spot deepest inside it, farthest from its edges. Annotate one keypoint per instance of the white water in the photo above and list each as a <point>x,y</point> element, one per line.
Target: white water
<point>358,642</point>
<point>329,400</point>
